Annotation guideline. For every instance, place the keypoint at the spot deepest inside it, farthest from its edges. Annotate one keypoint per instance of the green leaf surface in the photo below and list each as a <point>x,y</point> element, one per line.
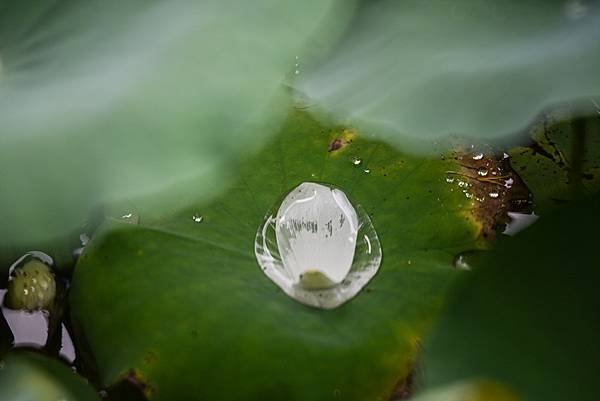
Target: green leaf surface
<point>104,101</point>
<point>527,319</point>
<point>416,71</point>
<point>28,376</point>
<point>186,305</point>
<point>547,165</point>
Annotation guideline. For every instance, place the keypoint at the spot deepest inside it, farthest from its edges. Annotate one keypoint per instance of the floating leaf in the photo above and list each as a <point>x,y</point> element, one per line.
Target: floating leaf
<point>185,304</point>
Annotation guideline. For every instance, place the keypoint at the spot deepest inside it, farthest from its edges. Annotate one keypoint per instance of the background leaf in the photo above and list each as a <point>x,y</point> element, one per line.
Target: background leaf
<point>547,164</point>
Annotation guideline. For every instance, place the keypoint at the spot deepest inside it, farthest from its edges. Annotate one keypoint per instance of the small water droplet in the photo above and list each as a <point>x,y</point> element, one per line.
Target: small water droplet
<point>478,156</point>
<point>509,183</point>
<point>131,217</point>
<point>460,263</point>
<point>197,218</point>
<point>493,194</point>
<point>366,171</point>
<point>84,239</point>
<point>505,155</point>
<point>463,184</point>
<point>482,171</point>
<point>297,72</point>
<point>356,161</point>
<point>449,179</point>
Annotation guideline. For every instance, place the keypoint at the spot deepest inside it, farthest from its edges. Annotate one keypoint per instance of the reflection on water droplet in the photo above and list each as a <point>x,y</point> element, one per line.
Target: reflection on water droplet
<point>493,194</point>
<point>309,247</point>
<point>297,72</point>
<point>482,171</point>
<point>197,218</point>
<point>478,156</point>
<point>356,161</point>
<point>505,155</point>
<point>509,183</point>
<point>366,171</point>
<point>519,222</point>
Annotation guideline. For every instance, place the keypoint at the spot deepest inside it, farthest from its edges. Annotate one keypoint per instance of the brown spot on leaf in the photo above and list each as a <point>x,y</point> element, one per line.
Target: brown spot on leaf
<point>493,187</point>
<point>407,386</point>
<point>336,144</point>
<point>341,140</point>
<point>135,379</point>
<point>405,389</point>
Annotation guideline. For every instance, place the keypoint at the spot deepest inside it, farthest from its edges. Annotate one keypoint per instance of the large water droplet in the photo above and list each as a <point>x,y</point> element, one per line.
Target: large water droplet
<point>318,248</point>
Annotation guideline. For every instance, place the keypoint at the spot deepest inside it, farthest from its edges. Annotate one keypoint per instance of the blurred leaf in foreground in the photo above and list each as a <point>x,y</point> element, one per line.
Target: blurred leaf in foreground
<point>116,99</point>
<point>28,376</point>
<point>420,70</point>
<point>527,319</point>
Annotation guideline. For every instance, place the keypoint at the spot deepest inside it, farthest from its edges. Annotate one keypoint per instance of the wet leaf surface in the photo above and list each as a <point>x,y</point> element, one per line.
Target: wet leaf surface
<point>182,301</point>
